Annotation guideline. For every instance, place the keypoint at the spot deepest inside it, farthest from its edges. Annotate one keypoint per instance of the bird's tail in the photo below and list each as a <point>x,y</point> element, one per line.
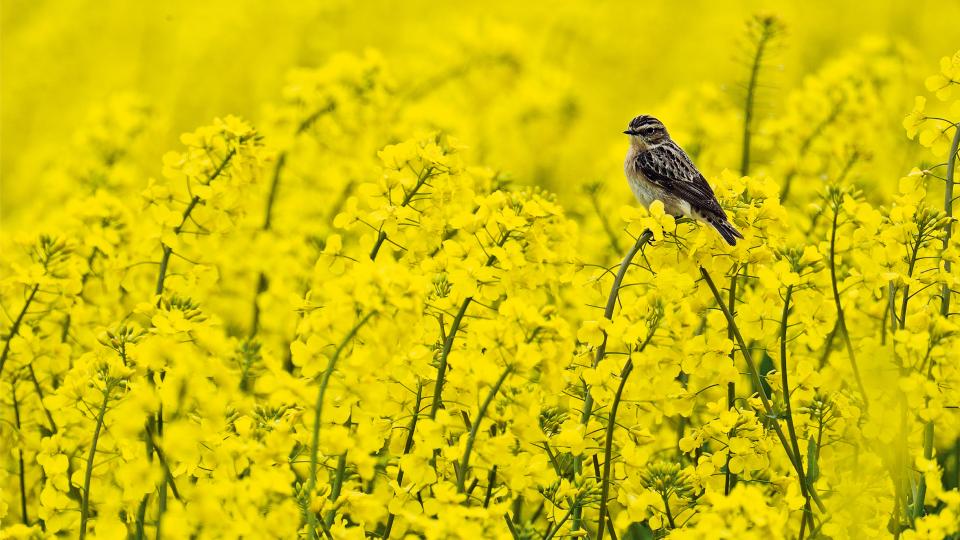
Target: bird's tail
<point>726,230</point>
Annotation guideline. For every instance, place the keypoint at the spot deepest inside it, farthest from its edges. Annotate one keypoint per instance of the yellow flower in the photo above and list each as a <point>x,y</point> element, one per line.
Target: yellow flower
<point>942,83</point>
<point>916,118</point>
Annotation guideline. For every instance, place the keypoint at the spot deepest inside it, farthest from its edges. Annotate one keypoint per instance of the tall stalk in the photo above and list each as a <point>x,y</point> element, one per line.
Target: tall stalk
<point>194,201</point>
<point>928,428</point>
<point>15,328</point>
<point>68,320</point>
<point>167,252</point>
<point>164,482</point>
<point>336,487</point>
<point>451,335</point>
<point>901,503</point>
<point>729,479</point>
<point>642,240</point>
<point>767,407</point>
<point>608,311</point>
<point>785,383</point>
<point>475,426</point>
<point>422,178</point>
<point>608,440</point>
<point>318,410</point>
<point>767,32</point>
<point>262,281</point>
<point>841,319</point>
<point>21,470</point>
<point>36,386</point>
<point>444,354</point>
<point>608,447</point>
<point>407,446</point>
<point>87,475</point>
<point>948,210</point>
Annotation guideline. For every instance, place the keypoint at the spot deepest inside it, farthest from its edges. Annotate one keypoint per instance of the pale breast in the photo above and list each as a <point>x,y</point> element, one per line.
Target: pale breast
<point>646,191</point>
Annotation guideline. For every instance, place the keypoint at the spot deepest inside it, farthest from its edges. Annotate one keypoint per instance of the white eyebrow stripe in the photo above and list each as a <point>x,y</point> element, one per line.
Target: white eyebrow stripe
<point>647,123</point>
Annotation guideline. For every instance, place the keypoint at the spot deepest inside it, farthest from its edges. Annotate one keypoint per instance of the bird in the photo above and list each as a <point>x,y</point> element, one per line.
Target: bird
<point>658,169</point>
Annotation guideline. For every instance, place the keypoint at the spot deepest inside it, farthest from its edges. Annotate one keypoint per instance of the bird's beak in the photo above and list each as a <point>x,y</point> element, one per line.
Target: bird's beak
<point>628,132</point>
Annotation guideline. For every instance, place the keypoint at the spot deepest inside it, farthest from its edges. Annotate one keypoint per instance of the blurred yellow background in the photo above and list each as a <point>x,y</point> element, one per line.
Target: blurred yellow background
<point>196,60</point>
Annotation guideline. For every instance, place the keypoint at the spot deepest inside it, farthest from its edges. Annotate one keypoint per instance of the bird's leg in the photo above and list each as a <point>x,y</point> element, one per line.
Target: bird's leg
<point>651,240</point>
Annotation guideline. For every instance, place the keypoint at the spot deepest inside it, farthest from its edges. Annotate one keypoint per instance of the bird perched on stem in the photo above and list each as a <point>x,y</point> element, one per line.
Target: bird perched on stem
<point>658,169</point>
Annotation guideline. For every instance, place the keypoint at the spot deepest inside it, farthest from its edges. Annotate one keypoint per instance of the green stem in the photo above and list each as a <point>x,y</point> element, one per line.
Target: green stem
<point>906,288</point>
<point>164,482</point>
<point>768,409</point>
<point>22,470</point>
<point>15,328</point>
<point>68,320</point>
<point>851,161</point>
<point>729,479</point>
<point>807,510</point>
<point>167,250</point>
<point>39,390</point>
<point>608,441</point>
<point>336,487</point>
<point>407,446</point>
<point>666,509</point>
<point>559,525</point>
<point>88,474</point>
<point>451,335</point>
<point>491,482</point>
<point>807,514</point>
<point>608,448</point>
<point>262,283</point>
<point>892,307</point>
<point>318,410</point>
<point>326,530</point>
<point>841,319</point>
<point>422,178</point>
<point>928,428</point>
<point>158,291</point>
<point>444,354</point>
<point>828,345</point>
<point>141,517</point>
<point>642,240</point>
<point>608,312</point>
<point>748,105</point>
<point>903,467</point>
<point>785,383</point>
<point>471,438</point>
<point>161,456</point>
<point>948,210</point>
<point>272,194</point>
<point>511,527</point>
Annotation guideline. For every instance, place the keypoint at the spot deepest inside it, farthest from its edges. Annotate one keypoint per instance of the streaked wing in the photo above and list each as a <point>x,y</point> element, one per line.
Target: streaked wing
<point>669,167</point>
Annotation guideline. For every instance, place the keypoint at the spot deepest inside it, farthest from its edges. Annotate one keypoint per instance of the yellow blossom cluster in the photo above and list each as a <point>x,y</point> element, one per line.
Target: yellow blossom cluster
<point>348,317</point>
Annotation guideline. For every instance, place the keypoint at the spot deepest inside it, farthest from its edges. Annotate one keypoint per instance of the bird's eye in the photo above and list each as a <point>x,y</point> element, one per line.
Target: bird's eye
<point>648,131</point>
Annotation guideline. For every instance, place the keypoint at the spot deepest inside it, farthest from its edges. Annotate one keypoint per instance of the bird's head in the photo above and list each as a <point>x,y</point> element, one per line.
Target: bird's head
<point>646,130</point>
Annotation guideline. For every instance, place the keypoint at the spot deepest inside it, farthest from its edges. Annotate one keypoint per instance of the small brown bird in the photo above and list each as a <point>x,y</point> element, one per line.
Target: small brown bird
<point>658,169</point>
